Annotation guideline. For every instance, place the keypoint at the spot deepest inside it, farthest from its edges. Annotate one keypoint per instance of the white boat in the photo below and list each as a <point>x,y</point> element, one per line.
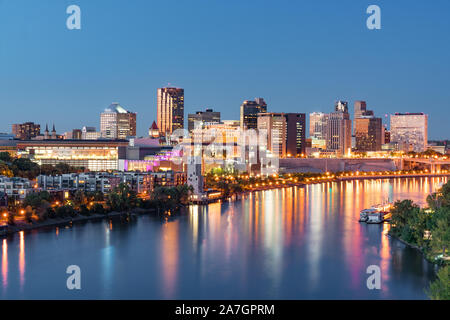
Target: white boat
<point>375,214</point>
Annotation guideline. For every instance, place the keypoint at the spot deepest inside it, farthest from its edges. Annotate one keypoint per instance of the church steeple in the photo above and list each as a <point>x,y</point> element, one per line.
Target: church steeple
<point>53,132</point>
<point>46,135</point>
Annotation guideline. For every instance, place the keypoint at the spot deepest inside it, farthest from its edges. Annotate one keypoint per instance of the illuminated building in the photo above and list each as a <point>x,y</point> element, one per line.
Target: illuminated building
<point>410,131</point>
<point>249,113</point>
<point>15,188</point>
<point>26,131</point>
<point>94,155</point>
<point>368,133</point>
<point>208,116</point>
<point>285,132</point>
<point>106,182</point>
<point>170,110</point>
<point>194,176</point>
<point>318,129</point>
<point>117,123</point>
<point>339,130</point>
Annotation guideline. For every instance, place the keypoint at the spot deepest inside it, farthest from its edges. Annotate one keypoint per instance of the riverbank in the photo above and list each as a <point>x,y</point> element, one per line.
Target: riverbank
<point>24,226</point>
<point>309,181</point>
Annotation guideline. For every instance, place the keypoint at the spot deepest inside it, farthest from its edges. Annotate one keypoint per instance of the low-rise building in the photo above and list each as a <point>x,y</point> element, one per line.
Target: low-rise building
<point>16,188</point>
<point>105,182</point>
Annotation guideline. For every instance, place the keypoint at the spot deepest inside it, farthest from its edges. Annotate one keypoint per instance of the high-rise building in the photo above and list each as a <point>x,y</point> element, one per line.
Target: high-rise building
<point>318,129</point>
<point>368,133</point>
<point>410,131</point>
<point>318,125</point>
<point>339,130</point>
<point>170,110</point>
<point>26,131</point>
<point>202,116</point>
<point>361,110</point>
<point>249,113</point>
<point>117,123</point>
<point>285,132</point>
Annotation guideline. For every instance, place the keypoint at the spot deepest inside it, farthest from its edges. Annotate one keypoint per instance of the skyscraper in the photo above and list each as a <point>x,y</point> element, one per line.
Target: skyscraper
<point>368,129</point>
<point>339,130</point>
<point>170,109</point>
<point>285,132</point>
<point>117,123</point>
<point>202,116</point>
<point>249,112</point>
<point>361,109</point>
<point>410,131</point>
<point>368,133</point>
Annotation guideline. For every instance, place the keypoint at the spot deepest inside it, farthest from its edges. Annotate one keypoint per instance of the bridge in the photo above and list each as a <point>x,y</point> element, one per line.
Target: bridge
<point>433,165</point>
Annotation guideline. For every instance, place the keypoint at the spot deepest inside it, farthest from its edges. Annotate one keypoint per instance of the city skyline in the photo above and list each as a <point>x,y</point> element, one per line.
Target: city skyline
<point>64,83</point>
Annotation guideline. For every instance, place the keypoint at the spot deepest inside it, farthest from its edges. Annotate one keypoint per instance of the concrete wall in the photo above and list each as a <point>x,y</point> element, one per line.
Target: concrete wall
<point>334,165</point>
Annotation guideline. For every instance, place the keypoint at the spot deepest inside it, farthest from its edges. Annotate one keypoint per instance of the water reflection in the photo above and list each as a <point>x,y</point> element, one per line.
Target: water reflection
<point>22,259</point>
<point>169,258</point>
<point>292,243</point>
<point>4,264</point>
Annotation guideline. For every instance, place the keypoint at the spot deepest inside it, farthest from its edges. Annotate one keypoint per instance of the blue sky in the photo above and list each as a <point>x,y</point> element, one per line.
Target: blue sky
<point>300,56</point>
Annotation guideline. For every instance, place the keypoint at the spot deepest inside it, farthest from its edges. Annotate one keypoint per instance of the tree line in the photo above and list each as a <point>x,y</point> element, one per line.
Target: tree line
<point>429,229</point>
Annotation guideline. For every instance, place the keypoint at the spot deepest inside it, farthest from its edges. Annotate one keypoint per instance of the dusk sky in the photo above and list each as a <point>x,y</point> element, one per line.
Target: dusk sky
<point>300,56</point>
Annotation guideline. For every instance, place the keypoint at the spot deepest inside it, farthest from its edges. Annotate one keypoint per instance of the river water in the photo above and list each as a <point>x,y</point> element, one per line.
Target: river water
<point>292,243</point>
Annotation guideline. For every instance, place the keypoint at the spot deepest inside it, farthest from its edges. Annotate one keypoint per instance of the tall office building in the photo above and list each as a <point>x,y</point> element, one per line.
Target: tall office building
<point>368,133</point>
<point>410,131</point>
<point>318,125</point>
<point>285,132</point>
<point>26,131</point>
<point>170,110</point>
<point>249,113</point>
<point>117,123</point>
<point>202,116</point>
<point>361,110</point>
<point>339,130</point>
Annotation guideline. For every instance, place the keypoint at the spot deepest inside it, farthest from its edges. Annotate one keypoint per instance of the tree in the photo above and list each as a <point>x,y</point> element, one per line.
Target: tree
<point>440,288</point>
<point>122,198</point>
<point>11,219</point>
<point>5,170</point>
<point>79,198</point>
<point>440,235</point>
<point>400,212</point>
<point>441,198</point>
<point>5,157</point>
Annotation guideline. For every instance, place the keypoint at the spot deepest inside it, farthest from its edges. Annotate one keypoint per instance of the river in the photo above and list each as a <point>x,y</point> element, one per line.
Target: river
<point>292,243</point>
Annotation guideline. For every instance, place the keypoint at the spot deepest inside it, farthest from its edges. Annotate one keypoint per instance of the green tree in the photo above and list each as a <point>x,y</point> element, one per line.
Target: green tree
<point>5,170</point>
<point>400,215</point>
<point>440,288</point>
<point>440,235</point>
<point>5,157</point>
<point>79,198</point>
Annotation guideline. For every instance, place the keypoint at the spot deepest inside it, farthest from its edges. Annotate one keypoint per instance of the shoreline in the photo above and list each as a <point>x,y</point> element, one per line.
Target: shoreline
<point>12,229</point>
<point>18,227</point>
